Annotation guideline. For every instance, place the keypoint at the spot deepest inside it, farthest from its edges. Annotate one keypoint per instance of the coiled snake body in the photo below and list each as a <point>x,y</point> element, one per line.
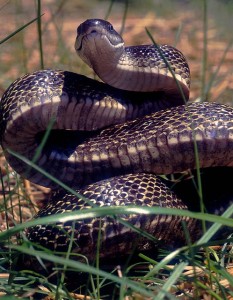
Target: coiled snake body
<point>106,142</point>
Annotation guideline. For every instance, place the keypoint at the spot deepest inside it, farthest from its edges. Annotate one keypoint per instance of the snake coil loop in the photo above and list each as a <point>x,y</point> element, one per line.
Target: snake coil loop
<point>108,142</point>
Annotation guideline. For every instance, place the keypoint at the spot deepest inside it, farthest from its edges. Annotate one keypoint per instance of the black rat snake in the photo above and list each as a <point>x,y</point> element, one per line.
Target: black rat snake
<point>107,141</point>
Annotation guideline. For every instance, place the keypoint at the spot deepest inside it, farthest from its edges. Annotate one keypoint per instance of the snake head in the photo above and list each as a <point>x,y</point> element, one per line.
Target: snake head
<point>97,38</point>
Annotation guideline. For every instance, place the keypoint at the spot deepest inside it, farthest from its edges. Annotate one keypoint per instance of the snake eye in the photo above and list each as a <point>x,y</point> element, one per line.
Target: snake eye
<point>110,27</point>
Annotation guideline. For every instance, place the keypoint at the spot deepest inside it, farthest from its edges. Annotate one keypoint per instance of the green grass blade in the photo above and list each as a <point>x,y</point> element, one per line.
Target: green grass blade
<point>171,280</point>
<point>168,65</point>
<point>85,268</point>
<point>40,34</point>
<point>124,16</point>
<point>109,9</point>
<point>205,51</point>
<point>18,30</point>
<point>214,75</point>
<point>216,226</point>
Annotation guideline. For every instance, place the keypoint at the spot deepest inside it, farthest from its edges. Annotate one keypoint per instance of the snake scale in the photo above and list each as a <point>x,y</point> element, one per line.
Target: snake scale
<point>109,140</point>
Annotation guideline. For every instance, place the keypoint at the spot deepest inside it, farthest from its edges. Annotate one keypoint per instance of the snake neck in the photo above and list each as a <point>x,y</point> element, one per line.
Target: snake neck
<point>102,57</point>
<point>147,69</point>
<point>144,68</point>
<point>139,69</point>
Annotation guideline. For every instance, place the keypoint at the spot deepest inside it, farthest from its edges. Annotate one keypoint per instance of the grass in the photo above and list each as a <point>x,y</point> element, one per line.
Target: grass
<point>195,271</point>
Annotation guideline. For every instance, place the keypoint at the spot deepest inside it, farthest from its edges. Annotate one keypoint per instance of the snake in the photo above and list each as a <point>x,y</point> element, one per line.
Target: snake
<point>110,140</point>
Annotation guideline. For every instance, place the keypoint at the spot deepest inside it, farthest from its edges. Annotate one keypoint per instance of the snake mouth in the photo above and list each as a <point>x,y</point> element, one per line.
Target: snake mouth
<point>95,35</point>
<point>79,42</point>
<point>85,37</point>
<point>80,46</point>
